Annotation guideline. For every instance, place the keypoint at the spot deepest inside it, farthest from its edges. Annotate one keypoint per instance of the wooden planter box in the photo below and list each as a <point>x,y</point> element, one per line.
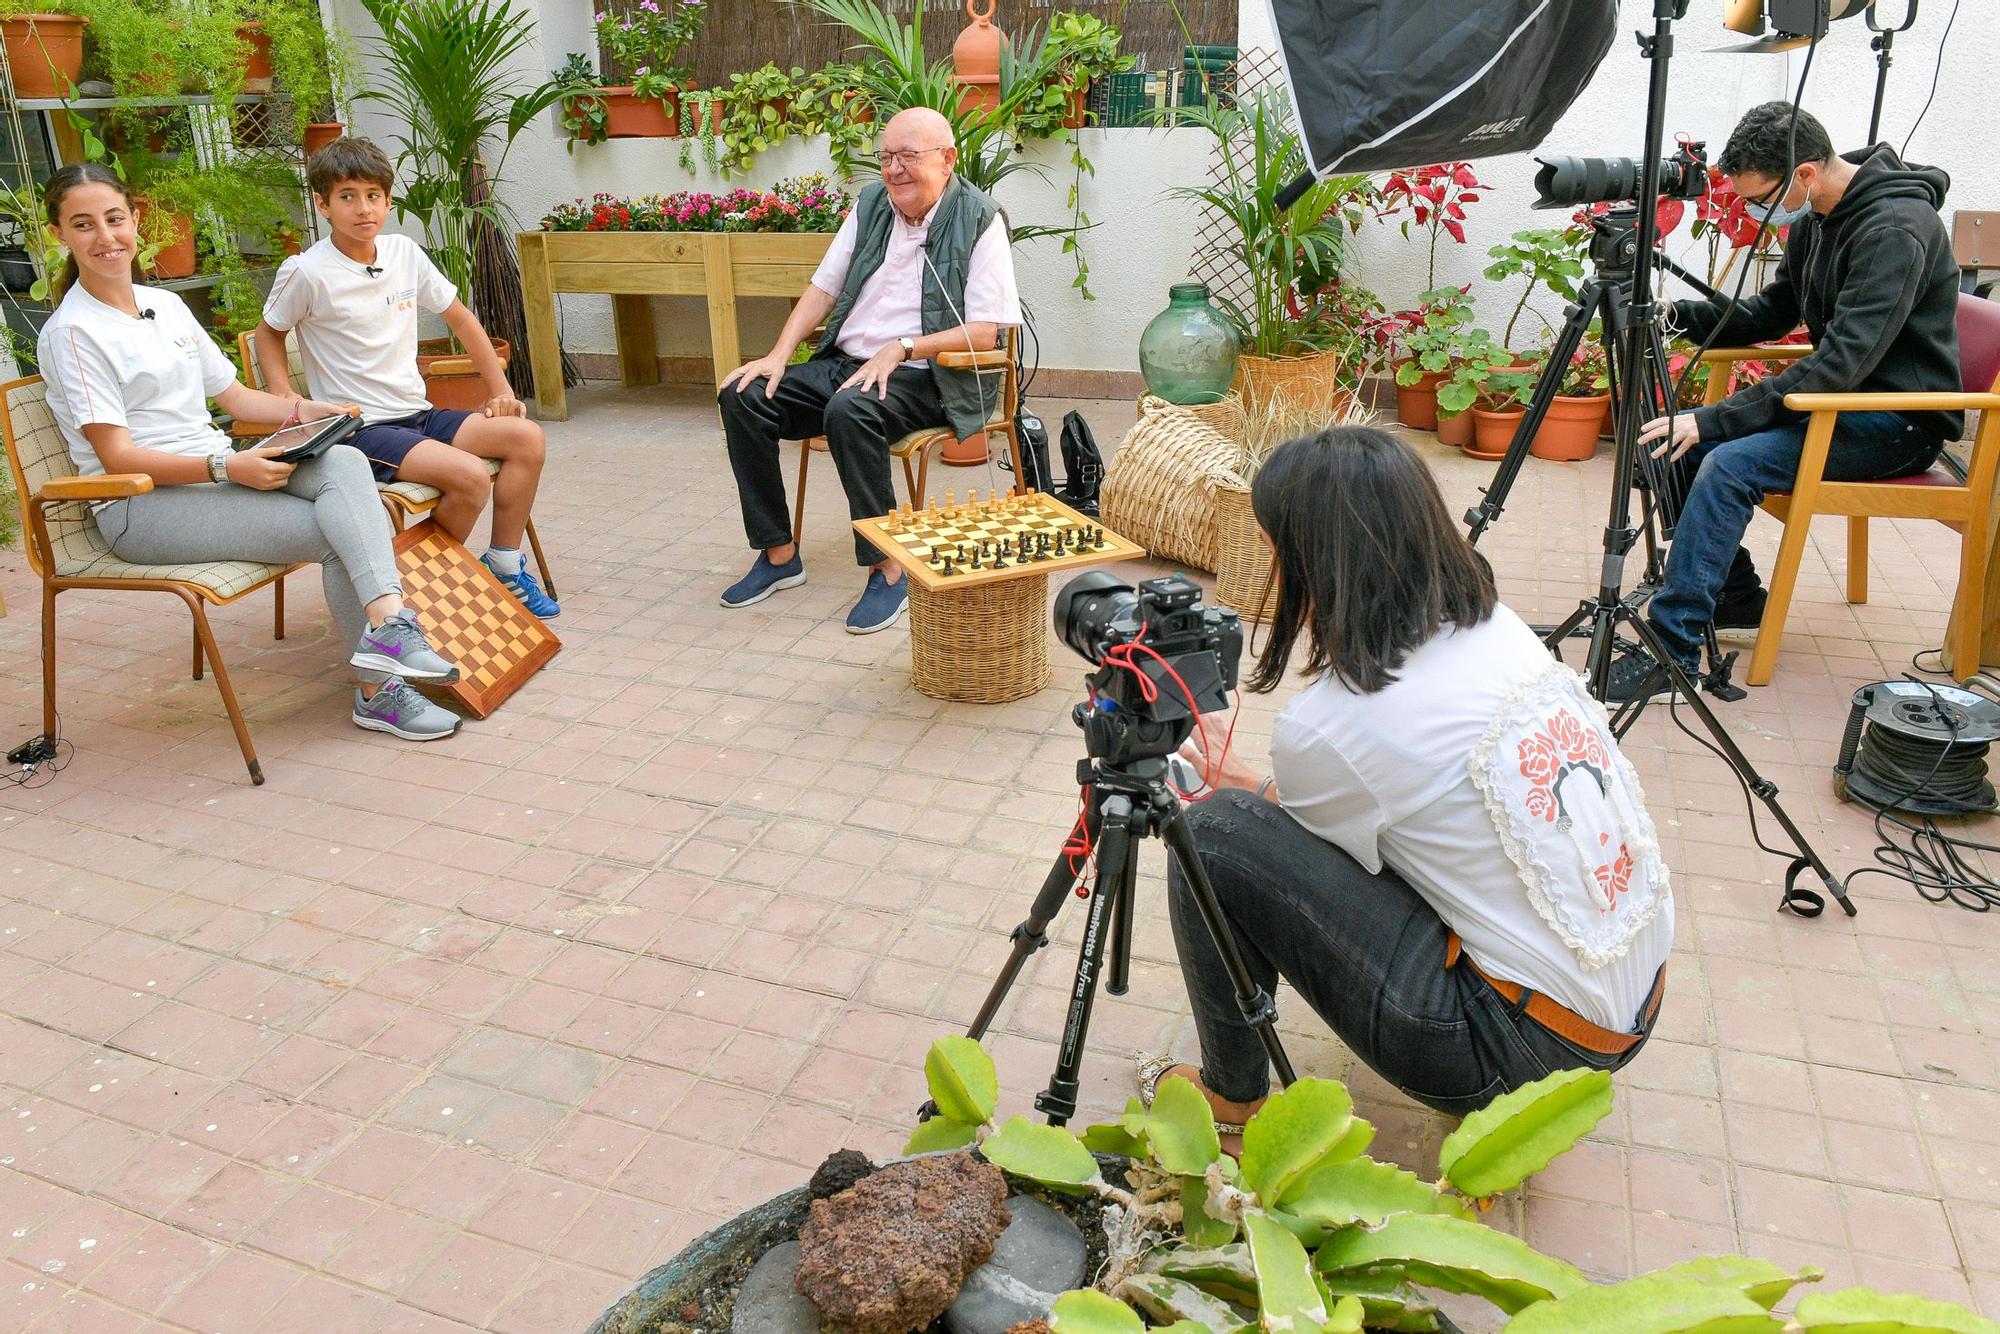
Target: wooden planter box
<point>633,267</point>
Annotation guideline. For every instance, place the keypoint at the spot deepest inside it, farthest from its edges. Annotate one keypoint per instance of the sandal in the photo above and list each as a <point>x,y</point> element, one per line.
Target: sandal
<point>1152,1069</point>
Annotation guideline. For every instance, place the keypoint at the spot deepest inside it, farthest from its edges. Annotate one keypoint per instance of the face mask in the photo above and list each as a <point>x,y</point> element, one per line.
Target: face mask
<point>1775,214</point>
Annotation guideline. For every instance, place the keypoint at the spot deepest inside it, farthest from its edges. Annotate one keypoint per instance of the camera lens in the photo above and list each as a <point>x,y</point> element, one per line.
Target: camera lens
<point>1085,608</point>
<point>1565,181</point>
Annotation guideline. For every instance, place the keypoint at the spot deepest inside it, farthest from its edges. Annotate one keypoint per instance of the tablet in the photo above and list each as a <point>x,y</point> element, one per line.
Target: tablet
<point>308,440</point>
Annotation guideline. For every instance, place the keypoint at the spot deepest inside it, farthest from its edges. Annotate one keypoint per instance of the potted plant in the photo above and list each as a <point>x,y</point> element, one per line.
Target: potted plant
<point>447,75</point>
<point>1085,48</point>
<point>1577,414</point>
<point>1481,400</point>
<point>1428,339</point>
<point>44,46</point>
<point>313,64</point>
<point>645,40</point>
<point>1543,257</point>
<point>757,113</point>
<point>162,50</point>
<point>833,101</point>
<point>1289,255</point>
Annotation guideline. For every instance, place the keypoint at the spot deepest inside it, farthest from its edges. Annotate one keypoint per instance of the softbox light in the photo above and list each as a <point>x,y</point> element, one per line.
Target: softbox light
<point>1382,84</point>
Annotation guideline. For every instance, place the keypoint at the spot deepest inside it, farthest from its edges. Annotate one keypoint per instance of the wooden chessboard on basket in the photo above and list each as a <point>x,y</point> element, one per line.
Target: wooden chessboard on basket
<point>962,545</point>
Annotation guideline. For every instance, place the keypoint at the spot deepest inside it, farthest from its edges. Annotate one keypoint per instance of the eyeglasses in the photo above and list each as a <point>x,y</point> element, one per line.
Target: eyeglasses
<point>906,157</point>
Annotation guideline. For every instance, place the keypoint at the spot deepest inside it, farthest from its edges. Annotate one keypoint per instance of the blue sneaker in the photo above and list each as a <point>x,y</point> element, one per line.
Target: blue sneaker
<point>881,603</point>
<point>765,579</point>
<point>527,590</point>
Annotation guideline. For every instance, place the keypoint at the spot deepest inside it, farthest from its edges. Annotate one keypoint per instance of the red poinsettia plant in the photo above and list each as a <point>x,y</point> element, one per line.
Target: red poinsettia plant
<point>1436,197</point>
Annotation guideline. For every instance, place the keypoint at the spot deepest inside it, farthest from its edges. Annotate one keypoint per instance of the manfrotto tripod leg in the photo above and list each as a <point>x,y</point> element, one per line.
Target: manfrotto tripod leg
<point>1800,900</point>
<point>1117,860</point>
<point>1252,1001</point>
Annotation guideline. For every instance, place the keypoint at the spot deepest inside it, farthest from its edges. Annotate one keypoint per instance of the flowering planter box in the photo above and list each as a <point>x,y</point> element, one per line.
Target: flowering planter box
<point>633,267</point>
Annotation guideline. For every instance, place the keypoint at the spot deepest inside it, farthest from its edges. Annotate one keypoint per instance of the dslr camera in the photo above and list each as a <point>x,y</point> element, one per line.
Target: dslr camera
<point>1162,658</point>
<point>1565,182</point>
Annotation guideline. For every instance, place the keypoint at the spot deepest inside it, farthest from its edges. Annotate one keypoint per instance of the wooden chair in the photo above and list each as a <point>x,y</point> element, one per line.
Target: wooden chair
<point>66,550</point>
<point>1960,504</point>
<point>918,445</point>
<point>404,500</point>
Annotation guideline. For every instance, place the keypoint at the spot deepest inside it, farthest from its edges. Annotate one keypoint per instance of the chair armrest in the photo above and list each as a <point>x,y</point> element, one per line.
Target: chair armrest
<point>1892,402</point>
<point>450,366</point>
<point>108,486</point>
<point>993,359</point>
<point>1775,352</point>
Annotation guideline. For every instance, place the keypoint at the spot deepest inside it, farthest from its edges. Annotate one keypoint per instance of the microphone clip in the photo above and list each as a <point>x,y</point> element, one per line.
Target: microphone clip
<point>374,270</point>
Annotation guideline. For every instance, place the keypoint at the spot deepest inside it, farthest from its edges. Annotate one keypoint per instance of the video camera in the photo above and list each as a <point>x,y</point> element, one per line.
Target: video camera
<point>1566,182</point>
<point>1190,662</point>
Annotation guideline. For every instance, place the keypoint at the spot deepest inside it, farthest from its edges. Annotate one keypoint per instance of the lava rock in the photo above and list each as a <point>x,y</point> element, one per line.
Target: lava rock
<point>1031,1327</point>
<point>889,1254</point>
<point>768,1303</point>
<point>1039,1257</point>
<point>842,1168</point>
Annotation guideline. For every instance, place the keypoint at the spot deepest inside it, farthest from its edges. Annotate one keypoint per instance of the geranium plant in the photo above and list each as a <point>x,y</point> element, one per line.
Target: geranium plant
<point>1430,336</point>
<point>646,38</point>
<point>1545,257</point>
<point>795,204</point>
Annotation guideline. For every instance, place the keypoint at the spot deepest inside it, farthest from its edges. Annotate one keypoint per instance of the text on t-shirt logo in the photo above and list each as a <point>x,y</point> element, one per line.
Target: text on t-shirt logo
<point>405,299</point>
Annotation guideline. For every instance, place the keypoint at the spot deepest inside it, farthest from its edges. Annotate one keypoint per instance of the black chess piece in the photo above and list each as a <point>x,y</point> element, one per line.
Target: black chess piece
<point>1097,538</point>
<point>1000,557</point>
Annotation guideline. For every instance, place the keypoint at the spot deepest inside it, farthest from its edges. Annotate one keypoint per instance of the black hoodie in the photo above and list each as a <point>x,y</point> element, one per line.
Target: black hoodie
<point>1876,286</point>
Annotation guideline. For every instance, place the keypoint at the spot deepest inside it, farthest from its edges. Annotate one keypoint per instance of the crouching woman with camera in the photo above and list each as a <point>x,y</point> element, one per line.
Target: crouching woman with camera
<point>1451,862</point>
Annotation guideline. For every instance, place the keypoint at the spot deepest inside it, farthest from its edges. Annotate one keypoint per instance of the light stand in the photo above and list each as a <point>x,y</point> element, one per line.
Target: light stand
<point>1638,349</point>
<point>1883,45</point>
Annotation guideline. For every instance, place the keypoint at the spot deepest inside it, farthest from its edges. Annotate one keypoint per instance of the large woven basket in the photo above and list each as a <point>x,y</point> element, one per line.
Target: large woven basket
<point>983,644</point>
<point>1312,381</point>
<point>1160,488</point>
<point>1243,558</point>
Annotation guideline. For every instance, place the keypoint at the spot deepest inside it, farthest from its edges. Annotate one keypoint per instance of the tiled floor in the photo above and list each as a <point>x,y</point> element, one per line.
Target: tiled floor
<point>469,1035</point>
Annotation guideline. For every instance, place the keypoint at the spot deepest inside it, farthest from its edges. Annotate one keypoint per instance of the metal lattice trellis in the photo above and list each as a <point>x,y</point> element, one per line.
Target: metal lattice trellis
<point>1215,260</point>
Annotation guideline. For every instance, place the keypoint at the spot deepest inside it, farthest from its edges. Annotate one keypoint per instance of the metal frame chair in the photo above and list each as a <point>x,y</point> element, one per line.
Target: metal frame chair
<point>1963,505</point>
<point>404,501</point>
<point>919,444</point>
<point>66,550</point>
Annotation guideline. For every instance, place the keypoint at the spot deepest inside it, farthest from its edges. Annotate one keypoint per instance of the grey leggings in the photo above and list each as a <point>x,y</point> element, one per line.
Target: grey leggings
<point>327,513</point>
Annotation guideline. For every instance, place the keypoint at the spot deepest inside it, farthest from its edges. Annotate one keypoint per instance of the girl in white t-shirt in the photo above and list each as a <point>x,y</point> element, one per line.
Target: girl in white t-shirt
<point>128,373</point>
<point>1452,863</point>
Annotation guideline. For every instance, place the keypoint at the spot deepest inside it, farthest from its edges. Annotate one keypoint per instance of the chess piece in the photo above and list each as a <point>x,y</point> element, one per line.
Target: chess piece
<point>1000,558</point>
<point>1097,538</point>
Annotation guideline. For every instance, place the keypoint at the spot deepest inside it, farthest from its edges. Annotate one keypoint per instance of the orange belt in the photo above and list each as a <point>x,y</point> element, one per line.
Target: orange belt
<point>1554,1016</point>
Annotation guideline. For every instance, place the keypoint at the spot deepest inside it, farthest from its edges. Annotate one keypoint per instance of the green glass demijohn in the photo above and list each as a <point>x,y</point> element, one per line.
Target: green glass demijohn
<point>1188,353</point>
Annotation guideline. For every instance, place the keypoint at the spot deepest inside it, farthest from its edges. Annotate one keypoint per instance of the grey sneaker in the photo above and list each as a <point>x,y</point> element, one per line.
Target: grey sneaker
<point>397,647</point>
<point>401,711</point>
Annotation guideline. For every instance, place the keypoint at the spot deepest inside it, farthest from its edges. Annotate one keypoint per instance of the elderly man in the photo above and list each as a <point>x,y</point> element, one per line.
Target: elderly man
<point>921,266</point>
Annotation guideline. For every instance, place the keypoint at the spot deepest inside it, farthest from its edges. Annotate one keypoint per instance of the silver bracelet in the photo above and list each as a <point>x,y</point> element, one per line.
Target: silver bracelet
<point>1264,788</point>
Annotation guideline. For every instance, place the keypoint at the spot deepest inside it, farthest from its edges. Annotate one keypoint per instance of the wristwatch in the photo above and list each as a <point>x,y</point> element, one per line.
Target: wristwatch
<point>909,346</point>
<point>218,467</point>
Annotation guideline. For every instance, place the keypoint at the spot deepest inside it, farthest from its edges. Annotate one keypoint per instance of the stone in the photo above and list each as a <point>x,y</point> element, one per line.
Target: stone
<point>888,1255</point>
<point>841,1169</point>
<point>767,1303</point>
<point>1039,1257</point>
<point>95,88</point>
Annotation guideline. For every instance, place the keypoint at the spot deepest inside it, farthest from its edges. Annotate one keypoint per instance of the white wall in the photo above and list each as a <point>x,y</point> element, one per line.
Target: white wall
<point>1145,239</point>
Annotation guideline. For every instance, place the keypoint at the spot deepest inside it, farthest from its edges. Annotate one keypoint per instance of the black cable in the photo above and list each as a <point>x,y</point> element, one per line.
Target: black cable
<point>1936,70</point>
<point>1935,863</point>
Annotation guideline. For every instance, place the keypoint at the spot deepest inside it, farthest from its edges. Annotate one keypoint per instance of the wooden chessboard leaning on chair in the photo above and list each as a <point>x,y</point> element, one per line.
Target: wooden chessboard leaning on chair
<point>1964,504</point>
<point>404,501</point>
<point>919,445</point>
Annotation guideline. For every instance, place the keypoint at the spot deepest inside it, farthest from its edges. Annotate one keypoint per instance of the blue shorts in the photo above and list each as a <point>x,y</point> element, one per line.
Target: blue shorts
<point>388,443</point>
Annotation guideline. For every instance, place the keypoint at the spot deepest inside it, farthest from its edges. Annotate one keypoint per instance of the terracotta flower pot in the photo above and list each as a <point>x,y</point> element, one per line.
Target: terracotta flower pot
<point>1455,431</point>
<point>1417,404</point>
<point>449,380</point>
<point>321,133</point>
<point>1075,118</point>
<point>257,70</point>
<point>177,260</point>
<point>1568,433</point>
<point>629,117</point>
<point>1493,431</point>
<point>45,52</point>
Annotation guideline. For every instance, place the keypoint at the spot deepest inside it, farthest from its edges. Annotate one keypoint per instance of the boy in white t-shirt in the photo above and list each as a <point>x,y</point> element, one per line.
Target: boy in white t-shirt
<point>353,299</point>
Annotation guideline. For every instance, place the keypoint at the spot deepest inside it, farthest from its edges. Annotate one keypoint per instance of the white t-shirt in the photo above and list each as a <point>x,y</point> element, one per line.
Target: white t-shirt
<point>1390,779</point>
<point>890,304</point>
<point>357,330</point>
<point>154,376</point>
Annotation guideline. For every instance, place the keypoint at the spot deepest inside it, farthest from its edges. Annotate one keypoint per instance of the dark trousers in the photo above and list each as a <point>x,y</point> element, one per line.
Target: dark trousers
<point>1365,951</point>
<point>1731,477</point>
<point>859,428</point>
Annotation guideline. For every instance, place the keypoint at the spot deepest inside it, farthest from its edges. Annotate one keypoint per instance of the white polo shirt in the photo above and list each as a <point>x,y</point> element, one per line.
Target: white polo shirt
<point>890,304</point>
<point>154,377</point>
<point>357,323</point>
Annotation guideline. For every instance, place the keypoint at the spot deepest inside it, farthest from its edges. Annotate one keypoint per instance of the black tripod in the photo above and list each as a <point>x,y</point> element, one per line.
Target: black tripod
<point>1123,804</point>
<point>1632,330</point>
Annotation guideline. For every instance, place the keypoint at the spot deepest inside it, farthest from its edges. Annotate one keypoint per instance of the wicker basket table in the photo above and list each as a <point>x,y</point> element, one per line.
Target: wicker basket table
<point>982,636</point>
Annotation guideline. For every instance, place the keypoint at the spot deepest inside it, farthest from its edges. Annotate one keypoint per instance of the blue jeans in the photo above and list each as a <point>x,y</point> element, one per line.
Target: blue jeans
<point>1733,476</point>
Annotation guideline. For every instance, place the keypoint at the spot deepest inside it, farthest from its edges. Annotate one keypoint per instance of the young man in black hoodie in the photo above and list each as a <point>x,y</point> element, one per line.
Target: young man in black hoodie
<point>1868,270</point>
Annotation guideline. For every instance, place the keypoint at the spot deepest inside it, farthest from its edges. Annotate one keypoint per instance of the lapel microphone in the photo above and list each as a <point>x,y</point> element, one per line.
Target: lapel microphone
<point>374,270</point>
<point>146,314</point>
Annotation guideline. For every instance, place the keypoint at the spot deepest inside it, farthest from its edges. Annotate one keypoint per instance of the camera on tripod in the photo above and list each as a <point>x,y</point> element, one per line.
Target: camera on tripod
<point>1565,182</point>
<point>1161,657</point>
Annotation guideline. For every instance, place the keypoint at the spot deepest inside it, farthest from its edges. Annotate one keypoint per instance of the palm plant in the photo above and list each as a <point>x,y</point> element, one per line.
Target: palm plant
<point>450,81</point>
<point>1289,255</point>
